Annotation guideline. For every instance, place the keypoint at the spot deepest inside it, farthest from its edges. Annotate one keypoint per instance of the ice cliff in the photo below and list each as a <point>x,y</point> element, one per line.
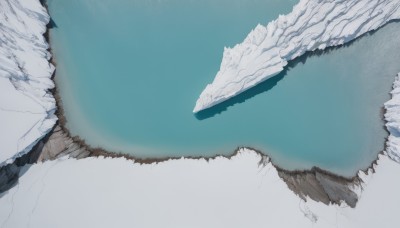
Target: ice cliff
<point>26,105</point>
<point>313,24</point>
<point>392,116</point>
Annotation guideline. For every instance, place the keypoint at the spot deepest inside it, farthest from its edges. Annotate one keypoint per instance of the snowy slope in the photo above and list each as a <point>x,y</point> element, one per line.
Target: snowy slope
<point>392,117</point>
<point>313,24</point>
<point>97,192</point>
<point>26,106</point>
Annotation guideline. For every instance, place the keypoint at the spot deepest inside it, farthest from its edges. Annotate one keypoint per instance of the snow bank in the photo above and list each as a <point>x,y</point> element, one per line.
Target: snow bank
<point>98,192</point>
<point>392,116</point>
<point>26,106</point>
<point>313,24</point>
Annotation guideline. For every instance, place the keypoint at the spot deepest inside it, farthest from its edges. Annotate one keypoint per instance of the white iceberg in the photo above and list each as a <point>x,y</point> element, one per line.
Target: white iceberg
<point>313,24</point>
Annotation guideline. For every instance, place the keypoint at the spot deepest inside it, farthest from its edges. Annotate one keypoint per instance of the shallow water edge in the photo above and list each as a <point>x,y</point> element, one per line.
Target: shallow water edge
<point>315,183</point>
<point>77,148</point>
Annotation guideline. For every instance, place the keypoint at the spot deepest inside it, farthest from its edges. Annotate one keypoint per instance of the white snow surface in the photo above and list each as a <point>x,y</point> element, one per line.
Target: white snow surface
<point>313,24</point>
<point>392,117</point>
<point>237,192</point>
<point>26,106</point>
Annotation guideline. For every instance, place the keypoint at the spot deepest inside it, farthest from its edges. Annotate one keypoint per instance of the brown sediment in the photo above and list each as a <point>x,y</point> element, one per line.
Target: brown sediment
<point>315,183</point>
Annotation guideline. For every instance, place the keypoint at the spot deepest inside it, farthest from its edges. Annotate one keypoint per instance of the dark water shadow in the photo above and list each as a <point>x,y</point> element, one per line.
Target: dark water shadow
<point>263,87</point>
<point>52,24</point>
<point>272,82</point>
<point>240,98</point>
<point>10,173</point>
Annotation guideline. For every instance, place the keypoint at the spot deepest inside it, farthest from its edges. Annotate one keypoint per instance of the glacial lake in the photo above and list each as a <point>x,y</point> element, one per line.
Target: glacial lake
<point>130,71</point>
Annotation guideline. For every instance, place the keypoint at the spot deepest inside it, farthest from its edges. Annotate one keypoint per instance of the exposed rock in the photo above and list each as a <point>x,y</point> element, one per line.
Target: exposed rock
<point>61,144</point>
<point>10,173</point>
<point>55,145</point>
<point>8,176</point>
<point>338,189</point>
<point>321,187</point>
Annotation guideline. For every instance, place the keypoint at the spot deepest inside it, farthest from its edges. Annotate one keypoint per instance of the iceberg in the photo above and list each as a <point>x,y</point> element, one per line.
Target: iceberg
<point>27,106</point>
<point>313,24</point>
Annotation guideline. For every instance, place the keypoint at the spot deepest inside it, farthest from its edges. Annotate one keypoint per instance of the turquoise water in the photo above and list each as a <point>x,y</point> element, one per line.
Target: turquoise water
<point>130,71</point>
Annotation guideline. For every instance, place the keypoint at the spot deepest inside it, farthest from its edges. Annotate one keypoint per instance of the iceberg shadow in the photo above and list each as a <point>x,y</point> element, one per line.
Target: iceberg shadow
<point>240,98</point>
<point>272,82</point>
<point>263,87</point>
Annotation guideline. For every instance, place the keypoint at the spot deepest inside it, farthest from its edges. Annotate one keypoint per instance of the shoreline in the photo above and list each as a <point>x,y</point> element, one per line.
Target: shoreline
<point>297,180</point>
<point>304,183</point>
<point>99,151</point>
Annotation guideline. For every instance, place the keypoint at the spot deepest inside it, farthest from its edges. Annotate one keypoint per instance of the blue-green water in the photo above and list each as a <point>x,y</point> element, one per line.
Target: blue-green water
<point>130,71</point>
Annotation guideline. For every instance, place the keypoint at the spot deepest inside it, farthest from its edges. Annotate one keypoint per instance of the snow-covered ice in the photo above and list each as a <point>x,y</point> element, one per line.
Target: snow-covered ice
<point>26,105</point>
<point>313,24</point>
<point>105,192</point>
<point>392,116</point>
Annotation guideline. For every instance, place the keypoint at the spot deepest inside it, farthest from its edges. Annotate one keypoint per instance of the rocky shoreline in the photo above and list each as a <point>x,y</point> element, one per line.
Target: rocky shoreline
<point>317,184</point>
